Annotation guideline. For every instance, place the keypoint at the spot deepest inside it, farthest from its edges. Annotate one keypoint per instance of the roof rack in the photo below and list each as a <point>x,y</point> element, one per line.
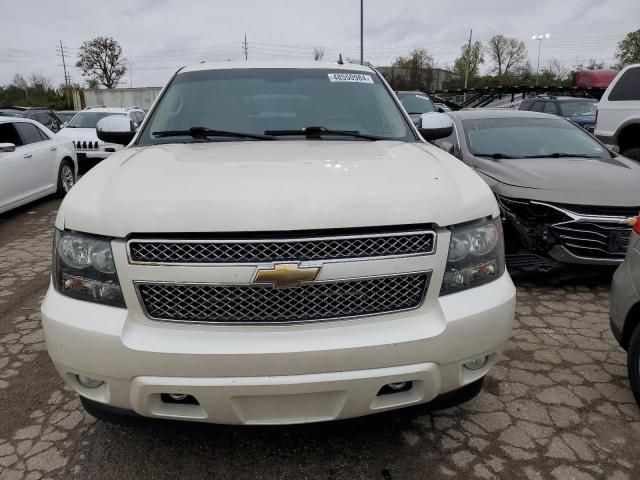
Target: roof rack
<point>94,106</point>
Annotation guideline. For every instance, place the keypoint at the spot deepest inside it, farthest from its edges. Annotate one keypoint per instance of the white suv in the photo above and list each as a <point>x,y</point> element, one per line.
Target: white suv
<point>618,119</point>
<point>81,130</point>
<point>276,244</point>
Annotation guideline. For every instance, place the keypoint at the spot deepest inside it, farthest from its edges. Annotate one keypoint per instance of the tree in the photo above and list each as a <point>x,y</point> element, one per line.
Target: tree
<point>628,51</point>
<point>357,61</point>
<point>508,54</point>
<point>592,64</point>
<point>318,53</point>
<point>557,69</point>
<point>20,82</point>
<point>40,83</point>
<point>417,68</point>
<point>101,61</point>
<point>475,59</point>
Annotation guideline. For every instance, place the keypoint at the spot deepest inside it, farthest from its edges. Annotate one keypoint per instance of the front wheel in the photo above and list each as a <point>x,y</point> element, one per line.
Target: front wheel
<point>66,178</point>
<point>633,364</point>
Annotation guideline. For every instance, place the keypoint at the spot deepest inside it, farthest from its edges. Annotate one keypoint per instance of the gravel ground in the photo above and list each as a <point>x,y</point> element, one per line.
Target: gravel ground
<point>557,406</point>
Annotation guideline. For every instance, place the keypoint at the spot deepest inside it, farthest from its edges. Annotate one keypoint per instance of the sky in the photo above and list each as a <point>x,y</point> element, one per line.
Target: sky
<point>159,36</point>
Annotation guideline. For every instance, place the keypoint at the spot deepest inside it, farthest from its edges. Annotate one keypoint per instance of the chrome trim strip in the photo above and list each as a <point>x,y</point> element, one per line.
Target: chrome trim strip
<point>561,254</point>
<point>137,283</point>
<point>284,240</point>
<point>578,217</point>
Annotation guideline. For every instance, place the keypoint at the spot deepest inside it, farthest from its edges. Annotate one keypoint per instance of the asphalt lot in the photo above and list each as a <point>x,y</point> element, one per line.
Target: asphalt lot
<point>557,406</point>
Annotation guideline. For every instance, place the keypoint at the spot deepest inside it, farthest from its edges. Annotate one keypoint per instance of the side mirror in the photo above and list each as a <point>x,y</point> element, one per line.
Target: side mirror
<point>613,148</point>
<point>447,147</point>
<point>435,125</point>
<point>7,147</point>
<point>116,129</point>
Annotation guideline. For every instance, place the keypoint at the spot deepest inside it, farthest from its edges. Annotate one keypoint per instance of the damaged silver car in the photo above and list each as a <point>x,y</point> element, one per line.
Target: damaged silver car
<point>565,198</point>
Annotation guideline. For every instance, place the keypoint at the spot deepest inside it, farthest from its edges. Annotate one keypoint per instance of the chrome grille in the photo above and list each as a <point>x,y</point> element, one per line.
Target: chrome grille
<point>277,250</point>
<point>594,239</point>
<point>240,304</point>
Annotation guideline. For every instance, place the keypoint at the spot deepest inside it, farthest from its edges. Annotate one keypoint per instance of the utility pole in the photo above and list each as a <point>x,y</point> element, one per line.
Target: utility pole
<point>245,47</point>
<point>361,32</point>
<point>466,72</point>
<point>66,76</point>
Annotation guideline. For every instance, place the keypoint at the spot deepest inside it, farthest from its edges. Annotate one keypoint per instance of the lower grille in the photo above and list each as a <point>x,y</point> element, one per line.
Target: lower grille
<point>594,239</point>
<point>237,304</point>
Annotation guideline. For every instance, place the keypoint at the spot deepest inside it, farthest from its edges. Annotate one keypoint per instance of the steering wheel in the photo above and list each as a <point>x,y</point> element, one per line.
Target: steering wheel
<point>330,121</point>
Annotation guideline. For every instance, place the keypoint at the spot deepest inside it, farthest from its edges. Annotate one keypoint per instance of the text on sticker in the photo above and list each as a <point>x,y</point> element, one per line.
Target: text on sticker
<point>350,77</point>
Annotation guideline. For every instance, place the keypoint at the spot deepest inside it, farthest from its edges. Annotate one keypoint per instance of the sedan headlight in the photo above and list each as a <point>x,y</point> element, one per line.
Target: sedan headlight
<point>476,256</point>
<point>83,268</point>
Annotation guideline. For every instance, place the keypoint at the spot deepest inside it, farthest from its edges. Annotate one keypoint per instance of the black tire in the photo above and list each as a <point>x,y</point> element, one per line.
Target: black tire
<point>633,364</point>
<point>633,153</point>
<point>66,178</point>
<point>108,414</point>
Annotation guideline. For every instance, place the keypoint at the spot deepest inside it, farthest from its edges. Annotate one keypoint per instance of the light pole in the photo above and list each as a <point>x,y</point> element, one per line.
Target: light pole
<point>361,32</point>
<point>539,38</point>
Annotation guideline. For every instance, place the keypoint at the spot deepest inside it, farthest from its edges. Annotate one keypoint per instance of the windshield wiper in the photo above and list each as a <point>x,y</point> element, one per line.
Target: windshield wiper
<point>318,132</point>
<point>205,133</point>
<point>495,156</point>
<point>563,155</point>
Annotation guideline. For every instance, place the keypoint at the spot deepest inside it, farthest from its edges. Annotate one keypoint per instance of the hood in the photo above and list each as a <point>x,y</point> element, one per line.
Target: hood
<point>78,134</point>
<point>274,186</point>
<point>610,182</point>
<point>583,119</point>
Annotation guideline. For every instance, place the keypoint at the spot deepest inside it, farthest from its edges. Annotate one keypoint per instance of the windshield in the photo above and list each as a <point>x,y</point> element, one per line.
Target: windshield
<point>415,103</point>
<point>255,101</point>
<point>65,116</point>
<point>578,109</point>
<point>88,119</point>
<point>9,113</point>
<point>519,137</point>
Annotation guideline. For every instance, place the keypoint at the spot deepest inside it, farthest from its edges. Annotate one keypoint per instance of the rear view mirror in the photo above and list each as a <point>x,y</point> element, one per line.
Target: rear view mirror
<point>435,125</point>
<point>116,129</point>
<point>7,147</point>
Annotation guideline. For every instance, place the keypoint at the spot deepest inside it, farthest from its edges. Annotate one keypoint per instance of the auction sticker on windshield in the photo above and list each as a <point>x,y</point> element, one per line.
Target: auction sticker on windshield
<point>350,77</point>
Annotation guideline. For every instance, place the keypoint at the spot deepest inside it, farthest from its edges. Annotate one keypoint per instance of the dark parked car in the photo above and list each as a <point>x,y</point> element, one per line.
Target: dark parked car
<point>41,115</point>
<point>564,197</point>
<point>65,115</point>
<point>581,111</point>
<point>416,103</point>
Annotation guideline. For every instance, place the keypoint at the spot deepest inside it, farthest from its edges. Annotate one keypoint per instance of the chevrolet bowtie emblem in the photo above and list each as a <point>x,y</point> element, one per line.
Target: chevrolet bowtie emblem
<point>286,275</point>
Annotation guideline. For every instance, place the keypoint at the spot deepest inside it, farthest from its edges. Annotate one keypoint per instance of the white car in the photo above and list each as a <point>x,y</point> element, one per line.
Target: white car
<point>34,163</point>
<point>277,244</point>
<point>618,118</point>
<point>81,130</point>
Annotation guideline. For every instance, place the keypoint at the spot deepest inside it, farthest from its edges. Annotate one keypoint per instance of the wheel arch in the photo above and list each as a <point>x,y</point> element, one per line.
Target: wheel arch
<point>628,135</point>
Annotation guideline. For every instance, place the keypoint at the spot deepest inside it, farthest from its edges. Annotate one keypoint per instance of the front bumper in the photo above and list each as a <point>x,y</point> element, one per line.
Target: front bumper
<point>278,374</point>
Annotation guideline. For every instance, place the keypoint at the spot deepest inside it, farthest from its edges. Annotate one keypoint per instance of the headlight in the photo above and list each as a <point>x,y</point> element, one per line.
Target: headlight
<point>476,256</point>
<point>83,268</point>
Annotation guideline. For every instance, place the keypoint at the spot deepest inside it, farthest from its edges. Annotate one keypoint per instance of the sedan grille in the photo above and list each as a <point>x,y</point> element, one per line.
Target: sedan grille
<point>241,304</point>
<point>277,250</point>
<point>594,239</point>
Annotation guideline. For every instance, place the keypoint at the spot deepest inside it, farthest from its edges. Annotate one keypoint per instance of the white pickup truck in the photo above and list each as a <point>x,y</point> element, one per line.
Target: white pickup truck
<point>618,118</point>
<point>276,244</point>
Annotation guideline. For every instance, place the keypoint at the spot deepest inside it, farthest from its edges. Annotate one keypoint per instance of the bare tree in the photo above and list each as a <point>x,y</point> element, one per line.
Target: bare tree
<point>40,83</point>
<point>21,82</point>
<point>101,61</point>
<point>558,69</point>
<point>591,64</point>
<point>508,54</point>
<point>318,53</point>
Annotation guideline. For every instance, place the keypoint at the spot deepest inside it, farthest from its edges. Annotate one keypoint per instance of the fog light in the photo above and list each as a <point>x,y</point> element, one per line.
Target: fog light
<point>178,397</point>
<point>397,386</point>
<point>88,382</point>
<point>476,363</point>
